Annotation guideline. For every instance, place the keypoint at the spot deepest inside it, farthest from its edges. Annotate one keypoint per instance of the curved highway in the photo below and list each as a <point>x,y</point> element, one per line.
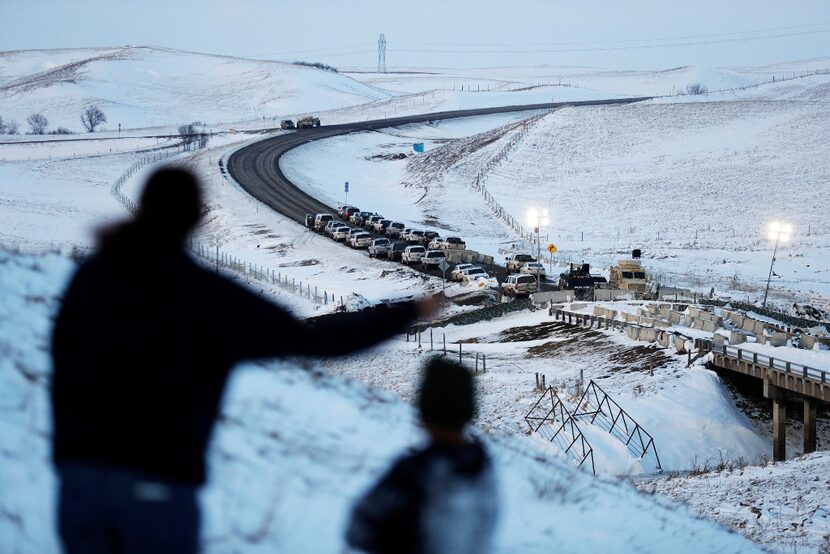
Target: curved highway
<point>257,170</point>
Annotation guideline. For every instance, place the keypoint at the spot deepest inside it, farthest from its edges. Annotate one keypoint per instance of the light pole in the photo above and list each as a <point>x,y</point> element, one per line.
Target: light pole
<point>538,218</point>
<point>777,232</point>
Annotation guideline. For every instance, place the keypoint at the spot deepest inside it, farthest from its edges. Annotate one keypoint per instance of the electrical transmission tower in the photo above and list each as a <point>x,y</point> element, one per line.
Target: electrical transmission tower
<point>381,53</point>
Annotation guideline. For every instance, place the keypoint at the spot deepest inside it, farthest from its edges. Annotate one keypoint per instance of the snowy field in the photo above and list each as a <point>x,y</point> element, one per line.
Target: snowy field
<point>295,448</point>
<point>669,82</point>
<point>144,87</point>
<point>690,179</point>
<point>784,506</point>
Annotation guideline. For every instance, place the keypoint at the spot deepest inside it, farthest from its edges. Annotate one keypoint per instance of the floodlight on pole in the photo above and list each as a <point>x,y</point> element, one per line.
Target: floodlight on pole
<point>537,218</point>
<point>778,232</point>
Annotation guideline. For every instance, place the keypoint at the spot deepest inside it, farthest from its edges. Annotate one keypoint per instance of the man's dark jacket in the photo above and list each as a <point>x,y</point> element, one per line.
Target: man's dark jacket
<point>144,342</point>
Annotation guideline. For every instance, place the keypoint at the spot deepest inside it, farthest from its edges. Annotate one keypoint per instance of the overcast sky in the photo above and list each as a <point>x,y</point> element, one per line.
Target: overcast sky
<point>630,34</point>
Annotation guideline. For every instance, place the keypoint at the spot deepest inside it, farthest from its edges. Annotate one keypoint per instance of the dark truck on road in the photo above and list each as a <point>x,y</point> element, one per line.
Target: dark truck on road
<point>578,278</point>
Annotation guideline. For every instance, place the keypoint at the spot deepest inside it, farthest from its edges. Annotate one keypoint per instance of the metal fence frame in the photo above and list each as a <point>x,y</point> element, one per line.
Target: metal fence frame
<point>605,413</point>
<point>556,424</point>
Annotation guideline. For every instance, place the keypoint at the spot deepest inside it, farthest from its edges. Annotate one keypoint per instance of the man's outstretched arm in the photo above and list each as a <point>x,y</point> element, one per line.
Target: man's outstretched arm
<point>258,328</point>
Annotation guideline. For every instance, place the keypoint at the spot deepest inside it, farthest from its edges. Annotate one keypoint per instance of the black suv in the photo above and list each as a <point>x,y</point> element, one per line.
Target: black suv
<point>395,251</point>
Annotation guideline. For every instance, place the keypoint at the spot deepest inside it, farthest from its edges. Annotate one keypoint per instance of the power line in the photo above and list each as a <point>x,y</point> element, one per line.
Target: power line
<point>681,37</point>
<point>608,48</point>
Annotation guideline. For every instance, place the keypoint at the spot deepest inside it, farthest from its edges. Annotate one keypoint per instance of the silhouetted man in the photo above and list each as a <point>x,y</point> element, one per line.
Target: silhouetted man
<point>440,499</point>
<point>142,348</point>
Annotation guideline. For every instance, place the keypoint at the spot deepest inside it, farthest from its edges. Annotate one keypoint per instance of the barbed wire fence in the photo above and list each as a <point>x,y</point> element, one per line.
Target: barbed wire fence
<point>213,255</point>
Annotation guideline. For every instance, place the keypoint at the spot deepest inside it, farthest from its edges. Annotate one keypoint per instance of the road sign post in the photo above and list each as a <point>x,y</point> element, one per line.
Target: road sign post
<point>346,190</point>
<point>443,266</point>
<point>552,249</point>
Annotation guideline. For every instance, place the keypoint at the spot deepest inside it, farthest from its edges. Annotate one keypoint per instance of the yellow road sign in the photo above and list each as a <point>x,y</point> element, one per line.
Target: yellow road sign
<point>552,248</point>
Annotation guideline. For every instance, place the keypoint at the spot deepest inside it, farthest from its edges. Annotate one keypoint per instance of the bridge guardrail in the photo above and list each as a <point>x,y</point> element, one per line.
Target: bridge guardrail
<point>772,362</point>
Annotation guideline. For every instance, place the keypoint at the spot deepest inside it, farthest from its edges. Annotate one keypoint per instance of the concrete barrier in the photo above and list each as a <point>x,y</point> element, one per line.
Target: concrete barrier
<point>578,306</point>
<point>736,338</point>
<point>680,344</point>
<point>469,256</point>
<point>633,332</point>
<point>555,296</point>
<point>660,324</point>
<point>675,317</point>
<point>664,339</point>
<point>482,259</point>
<point>759,327</point>
<point>807,341</point>
<point>599,311</point>
<point>648,335</point>
<point>710,326</point>
<point>608,295</point>
<point>699,324</point>
<point>453,256</point>
<point>779,339</point>
<point>718,339</point>
<point>748,325</point>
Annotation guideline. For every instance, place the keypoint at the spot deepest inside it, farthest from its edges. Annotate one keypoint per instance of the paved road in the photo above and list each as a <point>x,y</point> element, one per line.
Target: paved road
<point>256,167</point>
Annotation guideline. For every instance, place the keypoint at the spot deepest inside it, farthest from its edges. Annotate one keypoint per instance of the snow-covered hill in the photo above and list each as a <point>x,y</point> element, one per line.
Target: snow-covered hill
<point>784,505</point>
<point>294,450</point>
<point>669,81</point>
<point>143,86</point>
<point>694,184</point>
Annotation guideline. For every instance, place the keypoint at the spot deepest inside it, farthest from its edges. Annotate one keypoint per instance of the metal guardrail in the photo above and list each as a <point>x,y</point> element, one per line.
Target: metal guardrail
<point>557,425</point>
<point>606,414</point>
<point>771,362</point>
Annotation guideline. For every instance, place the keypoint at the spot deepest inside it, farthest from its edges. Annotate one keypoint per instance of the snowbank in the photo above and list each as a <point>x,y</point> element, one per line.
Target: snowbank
<point>295,448</point>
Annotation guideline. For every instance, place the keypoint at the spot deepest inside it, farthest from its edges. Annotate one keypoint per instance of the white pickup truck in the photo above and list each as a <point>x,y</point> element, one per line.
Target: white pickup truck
<point>516,261</point>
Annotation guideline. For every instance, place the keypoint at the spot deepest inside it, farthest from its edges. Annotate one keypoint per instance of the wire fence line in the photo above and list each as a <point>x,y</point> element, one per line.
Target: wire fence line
<point>785,76</point>
<point>214,256</point>
<point>481,177</point>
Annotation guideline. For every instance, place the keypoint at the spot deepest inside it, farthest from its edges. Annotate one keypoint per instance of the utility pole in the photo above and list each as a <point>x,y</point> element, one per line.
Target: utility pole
<point>382,53</point>
<point>778,232</point>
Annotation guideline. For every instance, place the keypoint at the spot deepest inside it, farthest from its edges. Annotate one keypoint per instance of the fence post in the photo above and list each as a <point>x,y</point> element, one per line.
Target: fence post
<point>445,344</point>
<point>430,339</point>
<point>476,362</point>
<point>484,363</point>
<point>459,352</point>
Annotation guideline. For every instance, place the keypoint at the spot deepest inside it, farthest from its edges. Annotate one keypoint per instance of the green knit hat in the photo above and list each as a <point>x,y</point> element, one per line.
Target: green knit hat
<point>446,397</point>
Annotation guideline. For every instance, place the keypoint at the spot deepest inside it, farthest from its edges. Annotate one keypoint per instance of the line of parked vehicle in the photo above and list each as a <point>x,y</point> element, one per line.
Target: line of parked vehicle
<point>426,249</point>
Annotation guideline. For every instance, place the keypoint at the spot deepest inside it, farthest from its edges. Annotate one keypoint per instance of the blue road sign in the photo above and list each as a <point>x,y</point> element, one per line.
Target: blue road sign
<point>346,189</point>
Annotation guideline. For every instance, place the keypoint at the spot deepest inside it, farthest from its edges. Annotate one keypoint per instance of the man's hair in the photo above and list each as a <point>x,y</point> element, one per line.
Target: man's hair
<point>446,397</point>
<point>171,203</point>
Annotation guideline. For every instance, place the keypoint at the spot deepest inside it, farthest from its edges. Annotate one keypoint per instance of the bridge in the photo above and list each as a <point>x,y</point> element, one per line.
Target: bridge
<point>783,381</point>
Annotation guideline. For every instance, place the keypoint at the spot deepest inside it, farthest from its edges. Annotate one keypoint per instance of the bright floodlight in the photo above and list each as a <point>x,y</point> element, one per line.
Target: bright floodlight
<point>779,231</point>
<point>537,217</point>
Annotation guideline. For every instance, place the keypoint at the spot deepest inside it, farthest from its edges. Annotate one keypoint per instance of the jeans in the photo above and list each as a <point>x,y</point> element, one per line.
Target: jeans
<point>111,510</point>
